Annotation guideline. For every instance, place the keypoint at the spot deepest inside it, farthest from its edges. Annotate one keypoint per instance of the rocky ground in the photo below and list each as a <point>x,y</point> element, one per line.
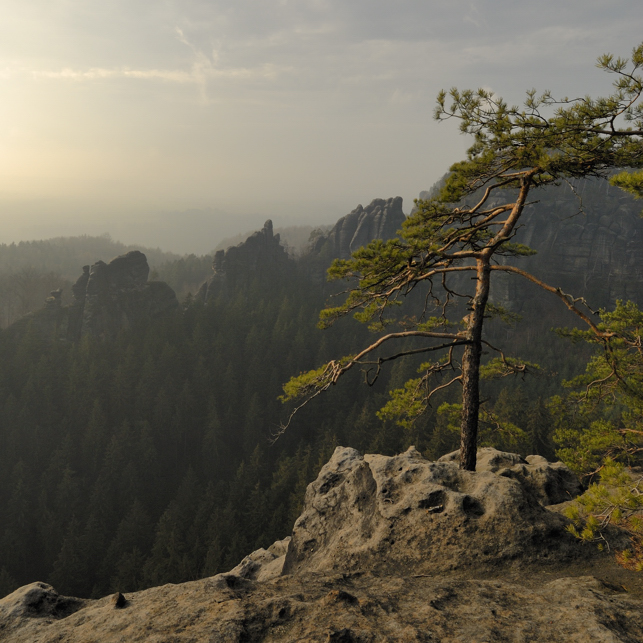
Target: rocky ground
<point>474,557</point>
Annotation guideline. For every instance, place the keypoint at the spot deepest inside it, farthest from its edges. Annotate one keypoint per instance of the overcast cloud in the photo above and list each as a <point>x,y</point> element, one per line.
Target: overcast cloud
<point>117,114</point>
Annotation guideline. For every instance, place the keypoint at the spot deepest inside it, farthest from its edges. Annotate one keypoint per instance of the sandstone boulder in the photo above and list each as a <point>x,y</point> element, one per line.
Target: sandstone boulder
<point>263,564</point>
<point>34,601</point>
<point>404,514</point>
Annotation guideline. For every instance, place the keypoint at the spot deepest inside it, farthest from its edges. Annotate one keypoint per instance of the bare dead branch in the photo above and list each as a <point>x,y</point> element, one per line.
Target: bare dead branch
<point>568,300</point>
<point>381,360</point>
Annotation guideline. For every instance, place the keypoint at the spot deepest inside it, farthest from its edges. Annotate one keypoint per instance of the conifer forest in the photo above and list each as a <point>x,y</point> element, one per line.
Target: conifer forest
<point>156,456</point>
<point>150,458</point>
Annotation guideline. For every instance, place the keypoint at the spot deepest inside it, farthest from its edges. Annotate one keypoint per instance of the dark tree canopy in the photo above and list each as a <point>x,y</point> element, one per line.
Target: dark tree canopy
<point>468,228</point>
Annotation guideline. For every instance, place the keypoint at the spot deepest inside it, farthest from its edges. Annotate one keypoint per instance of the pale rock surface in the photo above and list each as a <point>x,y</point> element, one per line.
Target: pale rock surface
<point>359,608</point>
<point>386,549</point>
<point>404,514</point>
<point>263,564</point>
<point>550,482</point>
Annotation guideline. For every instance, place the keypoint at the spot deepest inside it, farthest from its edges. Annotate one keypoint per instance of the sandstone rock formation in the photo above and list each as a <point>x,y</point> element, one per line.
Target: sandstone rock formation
<point>381,219</point>
<point>367,563</point>
<point>349,608</point>
<point>549,482</point>
<point>588,241</point>
<point>107,298</point>
<point>263,564</point>
<point>260,253</point>
<point>262,256</point>
<point>404,514</point>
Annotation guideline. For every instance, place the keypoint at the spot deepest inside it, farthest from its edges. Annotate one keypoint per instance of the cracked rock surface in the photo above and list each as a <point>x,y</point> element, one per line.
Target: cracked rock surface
<point>351,608</point>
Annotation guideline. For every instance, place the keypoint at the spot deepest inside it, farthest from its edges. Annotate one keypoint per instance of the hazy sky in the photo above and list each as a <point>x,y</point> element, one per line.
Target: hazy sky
<point>117,115</point>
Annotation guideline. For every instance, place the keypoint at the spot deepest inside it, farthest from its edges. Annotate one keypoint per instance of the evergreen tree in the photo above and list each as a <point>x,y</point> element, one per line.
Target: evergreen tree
<point>600,431</point>
<point>468,229</point>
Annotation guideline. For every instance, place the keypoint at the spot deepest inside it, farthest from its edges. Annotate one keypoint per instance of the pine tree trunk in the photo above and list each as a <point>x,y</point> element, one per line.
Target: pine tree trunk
<point>471,370</point>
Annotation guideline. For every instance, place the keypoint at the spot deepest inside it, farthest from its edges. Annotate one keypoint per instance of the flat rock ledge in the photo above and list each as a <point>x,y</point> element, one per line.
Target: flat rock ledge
<point>348,608</point>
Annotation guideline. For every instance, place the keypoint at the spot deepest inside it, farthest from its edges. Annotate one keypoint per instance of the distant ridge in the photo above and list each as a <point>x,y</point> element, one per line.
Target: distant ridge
<point>65,255</point>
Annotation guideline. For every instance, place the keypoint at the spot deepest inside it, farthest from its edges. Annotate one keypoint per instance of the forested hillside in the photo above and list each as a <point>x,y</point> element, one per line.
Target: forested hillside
<point>149,459</point>
<point>66,255</point>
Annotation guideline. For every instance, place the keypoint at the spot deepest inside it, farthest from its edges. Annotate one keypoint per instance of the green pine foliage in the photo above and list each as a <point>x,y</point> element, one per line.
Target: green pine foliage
<point>599,431</point>
<point>631,182</point>
<point>602,415</point>
<point>617,501</point>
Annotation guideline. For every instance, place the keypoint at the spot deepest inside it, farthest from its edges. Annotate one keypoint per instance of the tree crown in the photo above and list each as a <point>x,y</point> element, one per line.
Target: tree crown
<point>472,221</point>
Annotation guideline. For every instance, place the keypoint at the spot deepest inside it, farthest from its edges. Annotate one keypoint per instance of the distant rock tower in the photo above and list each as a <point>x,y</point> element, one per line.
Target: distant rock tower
<point>381,219</point>
<point>111,296</point>
<point>260,254</point>
<point>108,297</point>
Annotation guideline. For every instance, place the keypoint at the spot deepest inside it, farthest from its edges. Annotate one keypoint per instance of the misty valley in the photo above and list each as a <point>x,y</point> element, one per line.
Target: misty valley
<point>137,431</point>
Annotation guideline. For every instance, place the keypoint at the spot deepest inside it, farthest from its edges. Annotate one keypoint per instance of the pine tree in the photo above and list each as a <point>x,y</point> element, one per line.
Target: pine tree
<point>467,229</point>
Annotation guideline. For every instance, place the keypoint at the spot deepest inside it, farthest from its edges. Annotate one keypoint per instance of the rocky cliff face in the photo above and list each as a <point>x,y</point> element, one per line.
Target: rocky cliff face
<point>386,549</point>
<point>589,241</point>
<point>107,297</point>
<point>260,254</point>
<point>381,219</point>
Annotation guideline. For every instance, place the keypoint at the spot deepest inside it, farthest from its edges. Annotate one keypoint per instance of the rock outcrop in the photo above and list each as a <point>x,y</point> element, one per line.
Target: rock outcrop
<point>260,254</point>
<point>263,564</point>
<point>381,219</point>
<point>549,482</point>
<point>367,563</point>
<point>348,608</point>
<point>404,514</point>
<point>107,298</point>
<point>111,296</point>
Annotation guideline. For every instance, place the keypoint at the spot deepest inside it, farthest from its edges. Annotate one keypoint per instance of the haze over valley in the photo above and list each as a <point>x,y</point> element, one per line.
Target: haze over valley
<point>178,125</point>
